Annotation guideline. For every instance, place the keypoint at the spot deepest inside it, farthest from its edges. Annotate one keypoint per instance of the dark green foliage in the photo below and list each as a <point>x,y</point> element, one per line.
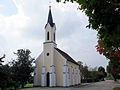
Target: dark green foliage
<point>92,75</point>
<point>113,68</point>
<point>84,70</point>
<point>102,73</point>
<point>17,73</point>
<point>101,69</point>
<point>1,59</point>
<point>97,75</point>
<point>104,16</point>
<point>22,67</point>
<point>4,76</point>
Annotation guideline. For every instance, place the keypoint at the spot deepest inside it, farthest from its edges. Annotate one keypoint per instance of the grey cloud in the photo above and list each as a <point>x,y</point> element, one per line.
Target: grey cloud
<point>72,34</point>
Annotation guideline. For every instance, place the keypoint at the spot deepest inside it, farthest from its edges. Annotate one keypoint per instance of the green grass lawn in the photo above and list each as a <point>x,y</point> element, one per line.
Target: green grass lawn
<point>29,85</point>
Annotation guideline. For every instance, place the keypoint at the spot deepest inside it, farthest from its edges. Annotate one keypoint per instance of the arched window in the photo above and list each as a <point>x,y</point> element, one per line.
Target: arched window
<point>47,35</point>
<point>54,36</point>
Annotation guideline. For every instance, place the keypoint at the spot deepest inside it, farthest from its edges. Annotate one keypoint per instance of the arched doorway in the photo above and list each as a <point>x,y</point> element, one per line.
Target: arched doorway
<point>48,79</point>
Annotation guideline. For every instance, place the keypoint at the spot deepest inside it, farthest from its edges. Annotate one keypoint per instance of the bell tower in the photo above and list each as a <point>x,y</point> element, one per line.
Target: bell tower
<point>50,29</point>
<point>48,69</point>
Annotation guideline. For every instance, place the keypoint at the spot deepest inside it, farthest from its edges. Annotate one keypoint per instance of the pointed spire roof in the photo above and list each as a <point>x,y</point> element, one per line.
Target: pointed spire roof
<point>50,19</point>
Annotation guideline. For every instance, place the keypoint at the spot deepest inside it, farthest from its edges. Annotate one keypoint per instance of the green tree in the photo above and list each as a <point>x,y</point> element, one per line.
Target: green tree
<point>114,56</point>
<point>1,59</point>
<point>1,73</point>
<point>104,16</point>
<point>22,67</point>
<point>101,69</point>
<point>113,68</point>
<point>5,79</point>
<point>102,73</point>
<point>94,76</point>
<point>80,63</point>
<point>84,71</point>
<point>85,74</point>
<point>5,75</point>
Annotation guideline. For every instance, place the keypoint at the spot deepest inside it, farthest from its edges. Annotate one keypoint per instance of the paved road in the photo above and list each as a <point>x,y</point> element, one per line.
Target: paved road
<point>104,85</point>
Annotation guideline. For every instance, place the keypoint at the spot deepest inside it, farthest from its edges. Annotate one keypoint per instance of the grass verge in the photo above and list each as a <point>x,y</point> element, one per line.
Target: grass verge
<point>28,85</point>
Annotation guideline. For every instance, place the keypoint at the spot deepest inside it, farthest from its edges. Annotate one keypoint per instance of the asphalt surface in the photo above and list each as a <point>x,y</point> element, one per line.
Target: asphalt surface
<point>103,85</point>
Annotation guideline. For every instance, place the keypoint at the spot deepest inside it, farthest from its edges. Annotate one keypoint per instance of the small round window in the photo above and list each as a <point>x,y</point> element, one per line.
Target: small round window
<point>48,54</point>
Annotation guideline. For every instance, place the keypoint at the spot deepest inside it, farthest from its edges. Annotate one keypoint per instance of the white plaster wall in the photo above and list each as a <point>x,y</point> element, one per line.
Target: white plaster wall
<point>37,77</point>
<point>73,76</point>
<point>59,63</point>
<point>48,60</point>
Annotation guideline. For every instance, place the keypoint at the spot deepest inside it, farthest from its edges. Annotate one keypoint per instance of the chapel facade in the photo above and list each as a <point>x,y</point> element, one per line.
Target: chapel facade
<point>54,67</point>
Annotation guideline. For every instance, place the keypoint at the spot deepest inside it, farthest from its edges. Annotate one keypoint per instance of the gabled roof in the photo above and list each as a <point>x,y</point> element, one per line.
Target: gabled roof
<point>66,56</point>
<point>50,19</point>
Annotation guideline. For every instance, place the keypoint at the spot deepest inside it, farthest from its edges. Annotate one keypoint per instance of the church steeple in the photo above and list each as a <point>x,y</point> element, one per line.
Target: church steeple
<point>50,28</point>
<point>50,19</point>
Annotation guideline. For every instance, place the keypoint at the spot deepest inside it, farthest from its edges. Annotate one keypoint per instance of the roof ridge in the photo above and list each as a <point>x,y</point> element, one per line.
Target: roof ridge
<point>65,55</point>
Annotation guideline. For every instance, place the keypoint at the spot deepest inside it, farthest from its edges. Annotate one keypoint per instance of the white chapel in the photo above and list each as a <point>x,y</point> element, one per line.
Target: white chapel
<point>54,67</point>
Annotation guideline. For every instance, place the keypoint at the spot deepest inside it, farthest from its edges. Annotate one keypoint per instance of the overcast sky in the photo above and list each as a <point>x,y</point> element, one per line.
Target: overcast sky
<point>22,25</point>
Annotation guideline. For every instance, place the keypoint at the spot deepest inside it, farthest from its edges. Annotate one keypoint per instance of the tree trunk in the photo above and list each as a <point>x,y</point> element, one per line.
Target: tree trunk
<point>115,79</point>
<point>2,88</point>
<point>114,76</point>
<point>22,85</point>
